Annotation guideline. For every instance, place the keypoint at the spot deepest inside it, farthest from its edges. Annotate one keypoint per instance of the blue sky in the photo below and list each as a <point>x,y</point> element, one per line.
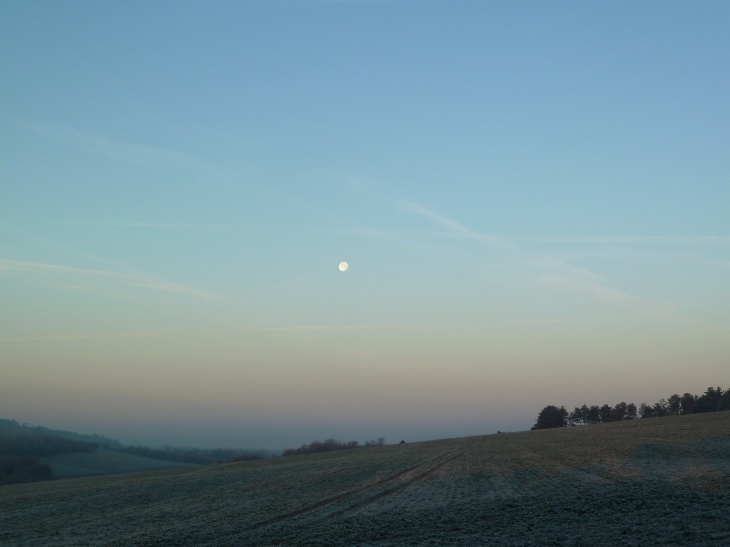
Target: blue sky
<point>532,198</point>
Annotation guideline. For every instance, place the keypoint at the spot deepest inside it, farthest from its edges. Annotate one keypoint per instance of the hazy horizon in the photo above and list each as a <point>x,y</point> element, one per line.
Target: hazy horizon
<point>532,199</point>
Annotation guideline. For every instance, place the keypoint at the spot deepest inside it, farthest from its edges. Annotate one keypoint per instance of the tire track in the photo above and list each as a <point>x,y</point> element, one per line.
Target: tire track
<point>359,505</point>
<point>333,499</point>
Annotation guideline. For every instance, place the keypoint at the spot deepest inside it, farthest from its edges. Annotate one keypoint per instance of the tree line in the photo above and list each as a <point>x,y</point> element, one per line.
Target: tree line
<point>713,400</point>
<point>329,445</point>
<point>22,446</point>
<point>196,456</point>
<point>99,440</point>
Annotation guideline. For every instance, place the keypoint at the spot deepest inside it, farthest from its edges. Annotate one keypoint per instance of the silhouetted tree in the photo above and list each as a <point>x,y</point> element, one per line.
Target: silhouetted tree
<point>646,411</point>
<point>713,400</point>
<point>551,416</point>
<point>688,402</point>
<point>379,442</point>
<point>579,416</point>
<point>674,404</point>
<point>630,413</point>
<point>576,417</point>
<point>710,401</point>
<point>605,413</point>
<point>593,414</point>
<point>619,412</point>
<point>584,416</point>
<point>725,400</point>
<point>660,408</point>
<point>317,446</point>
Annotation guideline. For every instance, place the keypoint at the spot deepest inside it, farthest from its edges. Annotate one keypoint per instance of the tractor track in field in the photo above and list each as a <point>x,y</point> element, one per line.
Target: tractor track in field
<point>352,492</point>
<point>389,491</point>
<point>605,484</point>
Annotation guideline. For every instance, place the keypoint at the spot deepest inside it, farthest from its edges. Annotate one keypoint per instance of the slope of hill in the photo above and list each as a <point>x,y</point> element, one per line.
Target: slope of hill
<point>98,440</point>
<point>103,462</point>
<point>664,481</point>
<point>21,446</point>
<point>36,453</point>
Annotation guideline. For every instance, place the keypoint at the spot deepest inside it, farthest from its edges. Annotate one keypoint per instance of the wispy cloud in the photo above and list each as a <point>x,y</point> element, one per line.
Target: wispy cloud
<point>411,207</point>
<point>501,239</point>
<point>594,290</point>
<point>118,278</point>
<point>547,270</point>
<point>561,275</point>
<point>452,225</point>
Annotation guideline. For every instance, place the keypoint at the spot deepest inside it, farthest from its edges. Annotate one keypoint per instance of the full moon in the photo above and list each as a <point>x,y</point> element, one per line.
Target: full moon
<point>343,266</point>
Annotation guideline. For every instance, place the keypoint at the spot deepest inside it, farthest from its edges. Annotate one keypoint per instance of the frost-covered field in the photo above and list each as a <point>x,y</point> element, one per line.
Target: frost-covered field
<point>662,481</point>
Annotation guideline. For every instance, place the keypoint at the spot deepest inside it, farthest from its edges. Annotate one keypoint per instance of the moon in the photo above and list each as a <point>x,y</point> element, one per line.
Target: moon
<point>343,266</point>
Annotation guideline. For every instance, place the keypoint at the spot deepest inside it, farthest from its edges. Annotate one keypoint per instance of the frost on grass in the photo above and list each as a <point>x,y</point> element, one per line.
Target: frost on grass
<point>650,482</point>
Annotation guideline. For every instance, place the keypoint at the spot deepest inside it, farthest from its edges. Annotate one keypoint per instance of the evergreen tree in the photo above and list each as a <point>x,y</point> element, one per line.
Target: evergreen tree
<point>674,404</point>
<point>688,403</point>
<point>606,413</point>
<point>630,412</point>
<point>660,408</point>
<point>725,400</point>
<point>551,416</point>
<point>619,412</point>
<point>594,414</point>
<point>646,411</point>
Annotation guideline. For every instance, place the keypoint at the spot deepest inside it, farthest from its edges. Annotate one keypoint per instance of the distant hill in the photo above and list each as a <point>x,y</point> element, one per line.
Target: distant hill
<point>22,446</point>
<point>199,456</point>
<point>103,462</point>
<point>98,440</point>
<point>35,453</point>
<point>662,481</point>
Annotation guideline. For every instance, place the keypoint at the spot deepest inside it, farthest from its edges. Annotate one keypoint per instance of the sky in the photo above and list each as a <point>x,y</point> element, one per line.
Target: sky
<point>532,198</point>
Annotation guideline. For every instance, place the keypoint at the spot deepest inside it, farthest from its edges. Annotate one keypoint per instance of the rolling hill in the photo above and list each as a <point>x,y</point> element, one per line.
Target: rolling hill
<point>103,462</point>
<point>663,481</point>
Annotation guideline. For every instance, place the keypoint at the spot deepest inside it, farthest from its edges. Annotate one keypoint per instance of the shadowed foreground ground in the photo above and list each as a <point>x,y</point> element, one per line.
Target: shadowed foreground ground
<point>662,481</point>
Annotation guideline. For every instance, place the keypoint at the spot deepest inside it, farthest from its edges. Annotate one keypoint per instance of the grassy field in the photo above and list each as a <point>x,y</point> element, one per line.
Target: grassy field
<point>661,481</point>
<point>103,462</point>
